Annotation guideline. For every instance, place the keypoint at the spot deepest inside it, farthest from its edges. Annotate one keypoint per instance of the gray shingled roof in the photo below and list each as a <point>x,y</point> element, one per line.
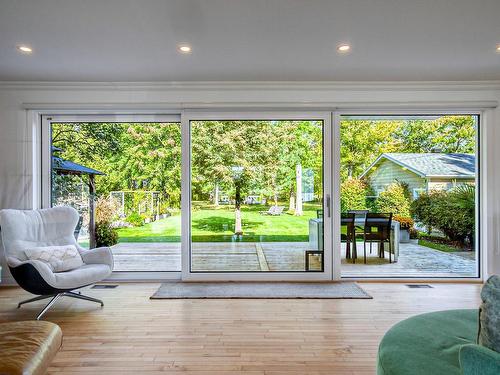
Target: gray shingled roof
<point>433,164</point>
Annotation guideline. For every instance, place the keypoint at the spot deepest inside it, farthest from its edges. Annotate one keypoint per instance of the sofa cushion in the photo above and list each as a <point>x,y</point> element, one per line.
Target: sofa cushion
<point>427,344</point>
<point>489,314</point>
<point>478,360</point>
<point>28,347</point>
<point>59,258</point>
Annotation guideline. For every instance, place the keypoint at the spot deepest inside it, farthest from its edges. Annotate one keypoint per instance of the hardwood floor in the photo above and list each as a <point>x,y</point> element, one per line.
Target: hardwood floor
<point>135,335</point>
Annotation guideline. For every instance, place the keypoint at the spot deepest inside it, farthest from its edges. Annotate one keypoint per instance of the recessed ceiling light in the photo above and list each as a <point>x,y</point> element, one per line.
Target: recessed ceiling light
<point>24,48</point>
<point>498,47</point>
<point>184,48</point>
<point>343,48</point>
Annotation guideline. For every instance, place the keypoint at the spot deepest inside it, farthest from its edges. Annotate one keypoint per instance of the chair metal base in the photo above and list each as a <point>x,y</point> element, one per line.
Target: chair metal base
<point>55,297</point>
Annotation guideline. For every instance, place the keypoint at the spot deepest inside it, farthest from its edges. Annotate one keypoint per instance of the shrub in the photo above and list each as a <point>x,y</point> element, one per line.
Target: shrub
<point>396,199</point>
<point>353,194</point>
<point>106,209</point>
<point>105,235</point>
<point>404,222</point>
<point>452,212</point>
<point>135,219</point>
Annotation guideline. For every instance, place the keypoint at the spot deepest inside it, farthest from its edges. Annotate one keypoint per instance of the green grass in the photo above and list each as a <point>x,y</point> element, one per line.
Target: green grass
<point>210,224</point>
<point>438,246</point>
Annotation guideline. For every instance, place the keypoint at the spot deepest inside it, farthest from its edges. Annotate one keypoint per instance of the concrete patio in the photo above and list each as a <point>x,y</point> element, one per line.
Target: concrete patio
<point>414,260</point>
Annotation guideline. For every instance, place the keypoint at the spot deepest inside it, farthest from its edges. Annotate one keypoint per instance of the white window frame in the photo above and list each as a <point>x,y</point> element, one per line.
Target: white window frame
<point>329,225</point>
<point>37,119</point>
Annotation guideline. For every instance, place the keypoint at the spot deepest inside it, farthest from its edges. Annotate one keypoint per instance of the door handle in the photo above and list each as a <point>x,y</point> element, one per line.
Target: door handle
<point>328,205</point>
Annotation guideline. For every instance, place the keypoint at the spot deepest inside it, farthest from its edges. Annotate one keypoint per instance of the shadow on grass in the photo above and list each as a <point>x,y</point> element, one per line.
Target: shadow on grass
<point>222,224</point>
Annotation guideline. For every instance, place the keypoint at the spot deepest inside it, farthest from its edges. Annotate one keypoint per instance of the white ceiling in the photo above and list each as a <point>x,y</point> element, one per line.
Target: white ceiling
<point>250,40</point>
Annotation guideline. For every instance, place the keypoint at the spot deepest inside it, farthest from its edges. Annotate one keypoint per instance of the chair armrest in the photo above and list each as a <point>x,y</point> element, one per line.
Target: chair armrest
<point>100,255</point>
<point>479,360</point>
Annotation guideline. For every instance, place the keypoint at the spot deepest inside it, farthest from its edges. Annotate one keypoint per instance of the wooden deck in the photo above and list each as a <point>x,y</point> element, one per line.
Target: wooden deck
<point>414,260</point>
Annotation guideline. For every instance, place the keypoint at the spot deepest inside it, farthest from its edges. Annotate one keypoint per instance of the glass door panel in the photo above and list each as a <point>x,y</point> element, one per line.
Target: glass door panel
<point>258,196</point>
<point>409,195</point>
<point>124,179</point>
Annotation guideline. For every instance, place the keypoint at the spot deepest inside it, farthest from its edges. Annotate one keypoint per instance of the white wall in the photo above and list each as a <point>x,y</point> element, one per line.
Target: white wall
<point>16,158</point>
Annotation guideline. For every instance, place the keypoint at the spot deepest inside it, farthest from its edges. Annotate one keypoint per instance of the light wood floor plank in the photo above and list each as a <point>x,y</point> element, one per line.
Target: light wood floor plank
<point>135,335</point>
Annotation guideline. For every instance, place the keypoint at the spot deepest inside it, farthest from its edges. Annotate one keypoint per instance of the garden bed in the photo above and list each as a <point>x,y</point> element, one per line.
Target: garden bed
<point>443,244</point>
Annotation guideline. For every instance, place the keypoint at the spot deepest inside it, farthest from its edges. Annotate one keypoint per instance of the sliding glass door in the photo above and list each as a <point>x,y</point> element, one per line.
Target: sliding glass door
<point>123,175</point>
<point>271,195</point>
<point>409,195</point>
<point>258,196</point>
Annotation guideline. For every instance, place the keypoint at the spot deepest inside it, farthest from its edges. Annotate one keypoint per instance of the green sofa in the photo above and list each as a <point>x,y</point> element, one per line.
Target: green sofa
<point>437,343</point>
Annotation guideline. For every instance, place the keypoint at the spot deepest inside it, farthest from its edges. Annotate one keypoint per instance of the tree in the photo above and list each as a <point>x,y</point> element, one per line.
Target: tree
<point>395,198</point>
<point>362,141</point>
<point>85,141</point>
<point>448,134</point>
<point>302,147</point>
<point>353,193</point>
<point>228,153</point>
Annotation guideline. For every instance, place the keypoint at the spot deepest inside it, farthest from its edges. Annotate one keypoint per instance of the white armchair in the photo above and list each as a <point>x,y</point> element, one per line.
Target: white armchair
<point>24,229</point>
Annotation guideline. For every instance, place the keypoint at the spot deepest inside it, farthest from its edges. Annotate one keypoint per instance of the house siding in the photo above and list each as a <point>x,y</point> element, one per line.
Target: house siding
<point>388,172</point>
<point>447,184</point>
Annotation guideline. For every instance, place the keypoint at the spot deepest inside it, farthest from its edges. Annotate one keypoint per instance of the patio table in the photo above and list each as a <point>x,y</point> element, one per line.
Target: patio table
<point>395,228</point>
<point>316,237</point>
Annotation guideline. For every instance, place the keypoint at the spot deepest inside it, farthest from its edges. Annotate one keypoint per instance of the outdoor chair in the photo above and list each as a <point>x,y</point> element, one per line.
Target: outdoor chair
<point>278,211</point>
<point>359,218</point>
<point>347,220</point>
<point>25,231</point>
<point>271,211</point>
<point>377,229</point>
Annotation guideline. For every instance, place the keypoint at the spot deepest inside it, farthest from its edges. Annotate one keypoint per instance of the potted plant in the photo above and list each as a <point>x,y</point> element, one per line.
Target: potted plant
<point>405,226</point>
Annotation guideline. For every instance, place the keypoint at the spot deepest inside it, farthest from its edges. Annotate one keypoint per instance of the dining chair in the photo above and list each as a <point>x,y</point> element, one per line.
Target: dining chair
<point>349,237</point>
<point>377,229</point>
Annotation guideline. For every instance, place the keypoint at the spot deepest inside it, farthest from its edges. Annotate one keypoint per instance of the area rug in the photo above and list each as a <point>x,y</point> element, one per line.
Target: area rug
<point>250,290</point>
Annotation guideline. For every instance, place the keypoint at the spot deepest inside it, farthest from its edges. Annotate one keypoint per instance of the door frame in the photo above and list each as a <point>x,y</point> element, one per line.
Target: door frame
<point>193,115</point>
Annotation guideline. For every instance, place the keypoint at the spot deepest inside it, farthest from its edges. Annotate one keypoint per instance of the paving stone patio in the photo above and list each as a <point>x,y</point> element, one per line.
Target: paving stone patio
<point>414,260</point>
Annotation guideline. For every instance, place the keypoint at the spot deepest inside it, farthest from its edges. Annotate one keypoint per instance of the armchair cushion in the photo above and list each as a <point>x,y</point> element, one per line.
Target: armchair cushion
<point>84,275</point>
<point>59,258</point>
<point>100,255</point>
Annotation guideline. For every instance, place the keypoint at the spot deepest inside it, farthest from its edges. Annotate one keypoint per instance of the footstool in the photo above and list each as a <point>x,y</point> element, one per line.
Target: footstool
<point>28,347</point>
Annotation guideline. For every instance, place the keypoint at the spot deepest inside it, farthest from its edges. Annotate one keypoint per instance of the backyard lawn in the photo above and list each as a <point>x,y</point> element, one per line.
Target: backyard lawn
<point>211,224</point>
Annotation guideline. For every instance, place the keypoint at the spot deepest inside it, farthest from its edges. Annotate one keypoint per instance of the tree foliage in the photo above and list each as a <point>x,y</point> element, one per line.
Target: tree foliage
<point>452,212</point>
<point>396,199</point>
<point>362,141</point>
<point>353,193</point>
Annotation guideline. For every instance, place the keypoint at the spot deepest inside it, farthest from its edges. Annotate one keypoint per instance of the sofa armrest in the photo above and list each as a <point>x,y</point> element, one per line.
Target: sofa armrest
<point>479,360</point>
<point>100,255</point>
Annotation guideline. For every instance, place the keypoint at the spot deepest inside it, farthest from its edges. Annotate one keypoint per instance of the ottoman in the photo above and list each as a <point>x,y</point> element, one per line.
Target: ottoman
<point>437,343</point>
<point>28,347</point>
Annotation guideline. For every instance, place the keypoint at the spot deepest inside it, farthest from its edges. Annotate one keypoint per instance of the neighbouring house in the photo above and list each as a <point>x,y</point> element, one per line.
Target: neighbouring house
<point>423,172</point>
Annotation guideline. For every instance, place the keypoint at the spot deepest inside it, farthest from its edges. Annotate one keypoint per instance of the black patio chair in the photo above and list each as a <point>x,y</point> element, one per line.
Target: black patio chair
<point>377,229</point>
<point>347,220</point>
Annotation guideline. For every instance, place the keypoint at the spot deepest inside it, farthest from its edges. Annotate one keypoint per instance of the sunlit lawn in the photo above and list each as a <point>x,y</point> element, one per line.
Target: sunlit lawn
<point>211,224</point>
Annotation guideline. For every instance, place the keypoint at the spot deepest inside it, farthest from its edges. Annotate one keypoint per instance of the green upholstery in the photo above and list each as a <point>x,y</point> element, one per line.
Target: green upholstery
<point>489,314</point>
<point>428,344</point>
<point>479,360</point>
